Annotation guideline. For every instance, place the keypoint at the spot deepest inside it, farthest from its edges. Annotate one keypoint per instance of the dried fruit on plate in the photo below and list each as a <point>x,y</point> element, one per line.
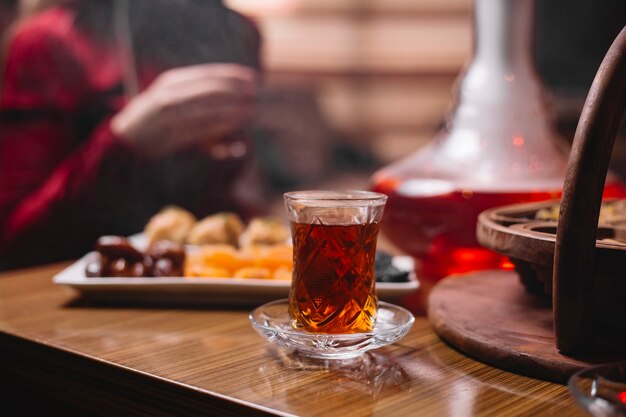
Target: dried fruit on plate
<point>199,270</point>
<point>271,257</point>
<point>263,262</point>
<point>283,273</point>
<point>221,256</point>
<point>253,272</point>
<point>116,257</point>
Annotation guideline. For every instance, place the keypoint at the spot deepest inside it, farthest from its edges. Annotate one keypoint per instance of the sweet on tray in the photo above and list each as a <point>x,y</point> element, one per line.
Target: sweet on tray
<point>179,225</point>
<point>219,246</point>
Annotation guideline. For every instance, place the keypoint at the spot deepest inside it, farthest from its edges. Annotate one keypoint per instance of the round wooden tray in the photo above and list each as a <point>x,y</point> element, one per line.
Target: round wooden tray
<point>488,315</point>
<point>530,244</point>
<point>516,232</point>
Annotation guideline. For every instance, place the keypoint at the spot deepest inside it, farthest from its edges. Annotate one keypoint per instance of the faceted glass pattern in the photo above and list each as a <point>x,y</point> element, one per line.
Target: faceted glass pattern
<point>334,237</point>
<point>272,321</point>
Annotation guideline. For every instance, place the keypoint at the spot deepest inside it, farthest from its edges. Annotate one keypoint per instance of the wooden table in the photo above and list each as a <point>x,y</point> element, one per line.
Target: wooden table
<point>157,361</point>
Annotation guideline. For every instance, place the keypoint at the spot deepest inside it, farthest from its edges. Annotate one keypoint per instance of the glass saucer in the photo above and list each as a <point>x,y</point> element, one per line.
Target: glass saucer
<point>601,389</point>
<point>272,321</point>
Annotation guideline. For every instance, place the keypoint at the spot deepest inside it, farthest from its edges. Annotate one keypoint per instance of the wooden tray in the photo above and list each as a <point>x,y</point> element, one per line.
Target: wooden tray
<point>490,317</point>
<point>516,232</point>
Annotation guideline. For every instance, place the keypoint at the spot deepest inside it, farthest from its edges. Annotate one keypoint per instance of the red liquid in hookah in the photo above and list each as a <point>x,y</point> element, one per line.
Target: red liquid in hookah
<point>440,228</point>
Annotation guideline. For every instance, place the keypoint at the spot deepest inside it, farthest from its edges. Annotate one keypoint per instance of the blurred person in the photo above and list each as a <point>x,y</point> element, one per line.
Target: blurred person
<point>112,109</point>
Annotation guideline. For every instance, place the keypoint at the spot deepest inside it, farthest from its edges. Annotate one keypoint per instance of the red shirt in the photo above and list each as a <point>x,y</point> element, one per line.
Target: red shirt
<point>65,179</point>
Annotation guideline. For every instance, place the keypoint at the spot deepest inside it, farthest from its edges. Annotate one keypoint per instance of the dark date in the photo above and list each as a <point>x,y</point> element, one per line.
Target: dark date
<point>117,247</point>
<point>116,257</point>
<point>165,249</point>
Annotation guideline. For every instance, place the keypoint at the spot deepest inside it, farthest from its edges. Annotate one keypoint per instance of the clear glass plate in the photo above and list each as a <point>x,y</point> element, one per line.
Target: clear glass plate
<point>601,389</point>
<point>272,321</point>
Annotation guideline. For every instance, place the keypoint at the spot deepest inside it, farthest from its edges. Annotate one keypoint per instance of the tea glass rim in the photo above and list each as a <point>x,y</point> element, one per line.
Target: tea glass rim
<point>349,197</point>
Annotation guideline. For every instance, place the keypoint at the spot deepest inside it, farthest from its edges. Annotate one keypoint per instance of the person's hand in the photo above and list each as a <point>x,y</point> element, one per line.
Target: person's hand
<point>183,107</point>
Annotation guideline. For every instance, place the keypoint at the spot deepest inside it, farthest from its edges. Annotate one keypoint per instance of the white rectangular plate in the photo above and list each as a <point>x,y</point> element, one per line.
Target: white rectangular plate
<point>204,290</point>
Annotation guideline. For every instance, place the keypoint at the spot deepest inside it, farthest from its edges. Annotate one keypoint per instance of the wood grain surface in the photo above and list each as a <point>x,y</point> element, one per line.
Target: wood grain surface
<point>490,316</point>
<point>101,360</point>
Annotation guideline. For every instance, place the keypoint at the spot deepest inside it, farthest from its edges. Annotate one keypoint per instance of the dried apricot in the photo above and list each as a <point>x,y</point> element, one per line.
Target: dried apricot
<point>253,272</point>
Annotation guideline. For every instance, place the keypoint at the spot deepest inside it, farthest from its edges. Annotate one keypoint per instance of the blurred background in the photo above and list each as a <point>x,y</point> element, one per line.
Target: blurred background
<point>350,86</point>
<point>377,73</point>
<point>355,84</point>
<point>381,73</point>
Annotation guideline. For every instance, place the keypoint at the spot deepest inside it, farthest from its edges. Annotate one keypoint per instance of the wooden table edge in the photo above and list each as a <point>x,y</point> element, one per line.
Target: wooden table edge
<point>71,377</point>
